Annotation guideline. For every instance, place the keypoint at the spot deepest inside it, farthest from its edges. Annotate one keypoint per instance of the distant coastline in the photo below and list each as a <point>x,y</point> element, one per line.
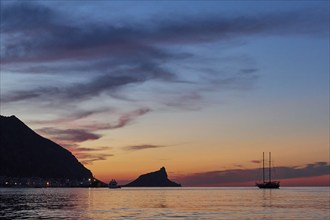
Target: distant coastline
<point>37,182</point>
<point>30,160</point>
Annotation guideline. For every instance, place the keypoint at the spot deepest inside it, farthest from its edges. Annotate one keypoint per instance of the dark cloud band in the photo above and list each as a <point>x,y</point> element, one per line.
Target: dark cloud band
<point>233,176</point>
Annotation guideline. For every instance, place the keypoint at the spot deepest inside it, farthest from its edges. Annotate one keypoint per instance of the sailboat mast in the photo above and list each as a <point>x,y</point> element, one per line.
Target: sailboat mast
<point>269,167</point>
<point>263,166</point>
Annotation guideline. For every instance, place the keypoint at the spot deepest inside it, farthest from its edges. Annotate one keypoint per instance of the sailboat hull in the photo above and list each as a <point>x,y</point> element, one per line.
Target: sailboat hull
<point>269,185</point>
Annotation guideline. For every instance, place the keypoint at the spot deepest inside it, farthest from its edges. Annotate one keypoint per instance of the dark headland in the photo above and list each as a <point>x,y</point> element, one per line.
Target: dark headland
<point>154,179</point>
<point>28,159</point>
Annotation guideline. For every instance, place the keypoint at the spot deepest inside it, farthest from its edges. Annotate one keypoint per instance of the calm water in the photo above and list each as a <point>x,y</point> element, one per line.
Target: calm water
<point>165,203</point>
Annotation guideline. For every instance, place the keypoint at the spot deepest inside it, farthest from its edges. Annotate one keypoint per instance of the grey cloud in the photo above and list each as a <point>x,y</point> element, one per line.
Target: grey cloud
<point>142,147</point>
<point>83,91</point>
<point>88,155</point>
<point>77,115</point>
<point>35,93</point>
<point>315,169</point>
<point>68,135</point>
<point>60,41</point>
<point>70,138</point>
<point>90,158</point>
<point>113,57</point>
<point>213,28</point>
<point>55,41</point>
<point>20,96</point>
<point>249,71</point>
<point>91,149</point>
<point>25,16</point>
<point>123,120</point>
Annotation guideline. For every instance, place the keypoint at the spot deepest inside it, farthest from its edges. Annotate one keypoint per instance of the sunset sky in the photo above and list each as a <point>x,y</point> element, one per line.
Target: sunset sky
<point>200,87</point>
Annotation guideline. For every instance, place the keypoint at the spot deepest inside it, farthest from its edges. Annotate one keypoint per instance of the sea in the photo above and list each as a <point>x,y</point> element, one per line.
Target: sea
<point>165,203</point>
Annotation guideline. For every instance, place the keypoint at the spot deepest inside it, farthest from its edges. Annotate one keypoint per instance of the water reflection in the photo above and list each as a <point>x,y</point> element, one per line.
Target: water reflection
<point>29,203</point>
<point>267,197</point>
<point>187,203</point>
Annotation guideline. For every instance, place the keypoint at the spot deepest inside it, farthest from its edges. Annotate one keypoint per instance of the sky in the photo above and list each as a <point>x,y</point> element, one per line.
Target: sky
<point>200,87</point>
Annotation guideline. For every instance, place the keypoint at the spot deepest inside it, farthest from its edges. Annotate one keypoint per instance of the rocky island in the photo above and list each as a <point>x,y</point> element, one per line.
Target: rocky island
<point>154,179</point>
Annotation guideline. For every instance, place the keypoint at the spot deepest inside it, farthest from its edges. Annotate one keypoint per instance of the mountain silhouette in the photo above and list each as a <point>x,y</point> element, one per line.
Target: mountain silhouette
<point>153,179</point>
<point>24,153</point>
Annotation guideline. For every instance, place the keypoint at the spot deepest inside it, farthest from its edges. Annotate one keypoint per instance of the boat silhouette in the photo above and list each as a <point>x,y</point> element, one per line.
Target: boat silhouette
<point>113,184</point>
<point>267,184</point>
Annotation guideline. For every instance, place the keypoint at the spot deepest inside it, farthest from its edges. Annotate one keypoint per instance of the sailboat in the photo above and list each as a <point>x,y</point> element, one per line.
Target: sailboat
<point>267,184</point>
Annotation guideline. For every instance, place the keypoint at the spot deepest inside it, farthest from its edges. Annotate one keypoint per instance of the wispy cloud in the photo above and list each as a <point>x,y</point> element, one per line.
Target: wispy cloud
<point>68,137</point>
<point>86,159</point>
<point>72,137</point>
<point>90,149</point>
<point>124,119</point>
<point>142,147</point>
<point>88,155</point>
<point>76,115</point>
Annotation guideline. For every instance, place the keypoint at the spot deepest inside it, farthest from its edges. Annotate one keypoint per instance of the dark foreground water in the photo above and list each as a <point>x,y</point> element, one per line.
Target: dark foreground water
<point>165,203</point>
